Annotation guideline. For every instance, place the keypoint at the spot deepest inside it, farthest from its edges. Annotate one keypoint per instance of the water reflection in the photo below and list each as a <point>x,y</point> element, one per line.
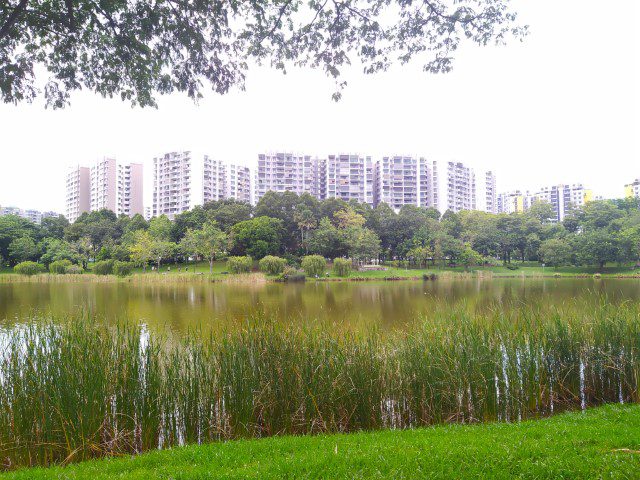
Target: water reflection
<point>383,304</point>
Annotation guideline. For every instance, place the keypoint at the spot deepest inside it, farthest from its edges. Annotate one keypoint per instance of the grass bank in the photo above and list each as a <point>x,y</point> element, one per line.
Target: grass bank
<point>600,443</point>
<point>75,390</point>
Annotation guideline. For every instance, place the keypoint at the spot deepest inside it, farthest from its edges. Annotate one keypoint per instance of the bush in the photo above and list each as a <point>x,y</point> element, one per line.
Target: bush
<point>104,267</point>
<point>272,265</point>
<point>342,266</point>
<point>290,274</point>
<point>314,265</point>
<point>29,268</point>
<point>511,266</point>
<point>60,266</point>
<point>74,270</point>
<point>239,264</point>
<point>122,269</point>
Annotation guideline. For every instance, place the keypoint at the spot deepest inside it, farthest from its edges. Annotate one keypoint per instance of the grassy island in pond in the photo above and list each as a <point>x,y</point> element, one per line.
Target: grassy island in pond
<point>599,443</point>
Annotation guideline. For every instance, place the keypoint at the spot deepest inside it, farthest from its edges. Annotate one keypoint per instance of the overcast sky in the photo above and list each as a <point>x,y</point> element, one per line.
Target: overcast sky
<point>561,107</point>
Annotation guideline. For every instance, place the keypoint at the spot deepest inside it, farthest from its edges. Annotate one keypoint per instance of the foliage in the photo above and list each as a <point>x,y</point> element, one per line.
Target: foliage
<point>239,264</point>
<point>135,50</point>
<point>555,252</point>
<point>122,269</point>
<point>22,249</point>
<point>29,268</point>
<point>103,267</point>
<point>74,270</point>
<point>272,265</point>
<point>141,248</point>
<point>119,383</point>
<point>257,237</point>
<point>314,265</point>
<point>342,266</point>
<point>60,266</point>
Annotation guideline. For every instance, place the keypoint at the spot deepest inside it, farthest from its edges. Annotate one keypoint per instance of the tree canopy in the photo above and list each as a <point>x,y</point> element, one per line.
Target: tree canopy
<point>136,49</point>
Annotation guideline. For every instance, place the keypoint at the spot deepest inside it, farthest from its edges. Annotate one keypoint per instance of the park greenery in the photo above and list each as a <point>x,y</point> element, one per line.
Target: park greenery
<point>136,49</point>
<point>74,388</point>
<point>287,230</point>
<point>599,443</point>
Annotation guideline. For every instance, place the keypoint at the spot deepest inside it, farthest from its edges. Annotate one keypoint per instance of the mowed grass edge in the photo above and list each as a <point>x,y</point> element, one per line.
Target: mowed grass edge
<point>602,442</point>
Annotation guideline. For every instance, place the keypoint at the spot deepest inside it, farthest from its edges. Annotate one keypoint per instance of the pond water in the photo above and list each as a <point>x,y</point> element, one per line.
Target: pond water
<point>386,305</point>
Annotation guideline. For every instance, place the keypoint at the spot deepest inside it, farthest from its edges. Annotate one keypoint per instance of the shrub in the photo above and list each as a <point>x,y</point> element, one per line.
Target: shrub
<point>511,266</point>
<point>314,265</point>
<point>122,269</point>
<point>60,266</point>
<point>29,268</point>
<point>291,274</point>
<point>74,270</point>
<point>239,264</point>
<point>104,267</point>
<point>342,267</point>
<point>272,265</point>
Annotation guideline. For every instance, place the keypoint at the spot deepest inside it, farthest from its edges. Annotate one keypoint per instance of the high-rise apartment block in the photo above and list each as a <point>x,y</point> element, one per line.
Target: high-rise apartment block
<point>350,177</point>
<point>172,184</point>
<point>454,187</point>
<point>562,197</point>
<point>107,184</point>
<point>130,199</point>
<point>78,192</point>
<point>35,216</point>
<point>513,202</point>
<point>239,183</point>
<point>222,180</point>
<point>289,172</point>
<point>632,189</point>
<point>400,180</point>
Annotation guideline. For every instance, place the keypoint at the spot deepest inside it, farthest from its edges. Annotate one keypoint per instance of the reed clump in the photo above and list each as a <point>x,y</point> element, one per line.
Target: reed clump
<point>73,390</point>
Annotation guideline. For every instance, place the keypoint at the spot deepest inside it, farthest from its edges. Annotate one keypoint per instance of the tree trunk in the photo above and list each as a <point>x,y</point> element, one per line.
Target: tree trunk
<point>211,266</point>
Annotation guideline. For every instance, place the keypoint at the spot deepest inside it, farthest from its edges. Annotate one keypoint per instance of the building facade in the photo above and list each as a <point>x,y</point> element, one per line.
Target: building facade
<point>117,187</point>
<point>564,197</point>
<point>397,181</point>
<point>454,186</point>
<point>239,183</point>
<point>225,180</point>
<point>104,185</point>
<point>487,200</point>
<point>172,184</point>
<point>35,216</point>
<point>130,190</point>
<point>289,172</point>
<point>78,192</point>
<point>513,202</point>
<point>632,189</point>
<point>350,177</point>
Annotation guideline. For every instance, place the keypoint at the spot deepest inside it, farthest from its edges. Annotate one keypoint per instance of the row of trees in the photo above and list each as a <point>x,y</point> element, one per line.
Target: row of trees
<point>290,226</point>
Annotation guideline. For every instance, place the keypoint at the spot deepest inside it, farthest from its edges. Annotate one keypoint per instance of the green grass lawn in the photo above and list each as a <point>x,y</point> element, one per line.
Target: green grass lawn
<point>527,270</point>
<point>601,443</point>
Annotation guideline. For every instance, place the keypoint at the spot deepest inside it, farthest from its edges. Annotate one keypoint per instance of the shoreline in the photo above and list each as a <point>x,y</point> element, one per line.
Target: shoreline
<point>261,278</point>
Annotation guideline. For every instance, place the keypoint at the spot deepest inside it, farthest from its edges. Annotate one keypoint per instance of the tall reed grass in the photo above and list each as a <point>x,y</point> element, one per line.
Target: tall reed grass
<point>73,390</point>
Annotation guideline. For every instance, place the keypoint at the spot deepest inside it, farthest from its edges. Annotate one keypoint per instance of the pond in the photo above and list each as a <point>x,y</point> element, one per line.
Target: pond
<point>309,358</point>
<point>387,305</point>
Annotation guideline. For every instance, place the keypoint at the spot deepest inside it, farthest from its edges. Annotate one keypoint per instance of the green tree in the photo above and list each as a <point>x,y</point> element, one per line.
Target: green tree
<point>54,227</point>
<point>212,243</point>
<point>314,265</point>
<point>257,237</point>
<point>141,248</point>
<point>326,240</point>
<point>137,49</point>
<point>23,249</point>
<point>226,213</point>
<point>55,250</point>
<point>597,247</point>
<point>11,228</point>
<point>363,244</point>
<point>555,252</point>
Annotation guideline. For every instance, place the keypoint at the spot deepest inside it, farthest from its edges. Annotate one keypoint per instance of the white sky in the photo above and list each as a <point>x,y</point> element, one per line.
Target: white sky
<point>563,106</point>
